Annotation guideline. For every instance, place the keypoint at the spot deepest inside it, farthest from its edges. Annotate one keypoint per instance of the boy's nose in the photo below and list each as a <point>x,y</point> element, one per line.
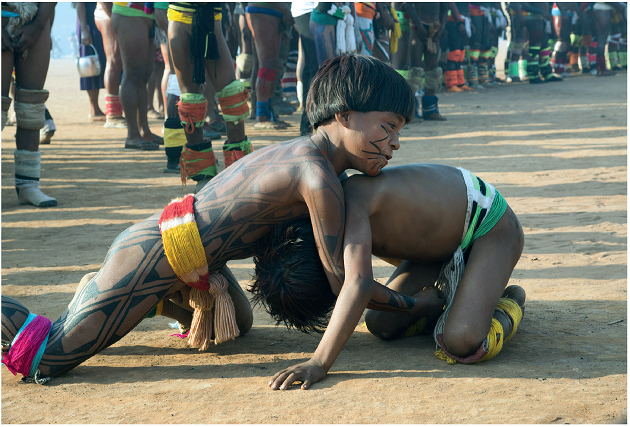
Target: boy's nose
<point>395,143</point>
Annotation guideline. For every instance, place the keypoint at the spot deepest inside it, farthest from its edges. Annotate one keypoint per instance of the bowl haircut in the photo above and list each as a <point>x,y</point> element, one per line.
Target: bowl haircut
<point>289,279</point>
<point>357,83</point>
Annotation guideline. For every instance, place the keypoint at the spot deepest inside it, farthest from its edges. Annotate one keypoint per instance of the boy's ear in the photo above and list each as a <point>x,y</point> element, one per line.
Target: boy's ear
<point>343,118</point>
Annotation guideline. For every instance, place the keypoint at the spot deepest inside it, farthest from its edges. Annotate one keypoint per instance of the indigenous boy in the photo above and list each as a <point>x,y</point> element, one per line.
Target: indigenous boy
<point>358,104</point>
<point>430,221</point>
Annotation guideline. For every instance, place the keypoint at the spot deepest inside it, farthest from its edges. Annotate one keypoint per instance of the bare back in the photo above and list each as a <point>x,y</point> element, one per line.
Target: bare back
<point>265,188</point>
<point>417,212</point>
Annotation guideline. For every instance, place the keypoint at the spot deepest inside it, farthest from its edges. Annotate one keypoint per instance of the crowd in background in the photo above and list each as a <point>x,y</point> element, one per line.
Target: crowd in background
<point>263,57</point>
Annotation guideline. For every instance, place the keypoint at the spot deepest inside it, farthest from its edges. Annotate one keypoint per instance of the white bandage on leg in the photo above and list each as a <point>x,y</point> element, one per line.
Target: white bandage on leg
<point>6,103</point>
<point>244,62</point>
<point>27,172</point>
<point>29,108</point>
<point>433,79</point>
<point>414,79</point>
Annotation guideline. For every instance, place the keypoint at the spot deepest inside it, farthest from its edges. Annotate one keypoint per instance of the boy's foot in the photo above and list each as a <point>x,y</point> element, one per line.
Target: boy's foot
<point>209,133</point>
<point>46,133</point>
<point>172,167</point>
<point>34,196</point>
<point>281,108</point>
<point>115,122</point>
<point>536,80</point>
<point>606,73</point>
<point>434,116</point>
<point>465,88</point>
<point>554,78</point>
<point>96,117</point>
<point>517,294</point>
<point>218,126</point>
<point>454,89</point>
<point>152,114</point>
<point>264,125</point>
<point>172,170</point>
<point>477,86</point>
<point>140,143</point>
<point>417,328</point>
<point>292,101</point>
<point>156,139</point>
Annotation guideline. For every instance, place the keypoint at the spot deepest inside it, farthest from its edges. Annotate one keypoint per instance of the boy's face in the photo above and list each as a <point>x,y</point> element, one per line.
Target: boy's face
<point>374,139</point>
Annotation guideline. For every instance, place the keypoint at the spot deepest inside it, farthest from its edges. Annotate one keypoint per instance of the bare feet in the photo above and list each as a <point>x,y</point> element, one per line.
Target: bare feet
<point>139,143</point>
<point>153,138</point>
<point>97,117</point>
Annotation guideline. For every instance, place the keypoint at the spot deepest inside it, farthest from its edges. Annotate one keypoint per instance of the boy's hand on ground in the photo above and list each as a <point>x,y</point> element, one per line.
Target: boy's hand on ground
<point>308,372</point>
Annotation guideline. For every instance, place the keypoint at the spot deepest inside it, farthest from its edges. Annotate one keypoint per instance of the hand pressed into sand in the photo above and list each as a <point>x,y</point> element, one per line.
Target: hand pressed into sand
<point>308,372</point>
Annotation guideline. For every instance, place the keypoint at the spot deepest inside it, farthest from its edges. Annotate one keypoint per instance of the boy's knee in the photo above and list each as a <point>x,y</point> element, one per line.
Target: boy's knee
<point>463,340</point>
<point>378,327</point>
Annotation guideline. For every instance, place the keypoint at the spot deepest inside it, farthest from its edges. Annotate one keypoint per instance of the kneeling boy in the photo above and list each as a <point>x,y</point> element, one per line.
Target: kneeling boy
<point>443,227</point>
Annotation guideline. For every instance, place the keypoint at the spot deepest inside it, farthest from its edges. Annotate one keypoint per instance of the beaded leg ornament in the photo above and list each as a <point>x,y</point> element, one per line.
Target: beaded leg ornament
<point>185,253</point>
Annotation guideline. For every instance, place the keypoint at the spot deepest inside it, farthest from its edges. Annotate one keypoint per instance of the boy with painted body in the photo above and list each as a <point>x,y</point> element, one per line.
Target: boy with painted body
<point>232,212</point>
<point>429,221</point>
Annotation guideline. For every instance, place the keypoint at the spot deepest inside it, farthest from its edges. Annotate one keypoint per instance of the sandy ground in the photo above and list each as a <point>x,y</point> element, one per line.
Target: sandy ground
<point>557,152</point>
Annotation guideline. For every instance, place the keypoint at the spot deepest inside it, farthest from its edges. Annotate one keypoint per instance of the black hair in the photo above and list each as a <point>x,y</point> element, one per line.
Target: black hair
<point>289,279</point>
<point>359,83</point>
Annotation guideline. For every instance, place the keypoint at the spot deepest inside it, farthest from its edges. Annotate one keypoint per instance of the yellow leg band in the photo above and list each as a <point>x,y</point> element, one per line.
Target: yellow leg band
<point>493,343</point>
<point>174,137</point>
<point>511,308</point>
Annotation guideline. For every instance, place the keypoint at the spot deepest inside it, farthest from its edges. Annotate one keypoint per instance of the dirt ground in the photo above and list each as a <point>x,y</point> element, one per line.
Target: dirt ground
<point>557,152</point>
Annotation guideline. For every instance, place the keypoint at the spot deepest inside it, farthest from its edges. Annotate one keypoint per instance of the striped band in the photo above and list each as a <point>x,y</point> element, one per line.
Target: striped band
<point>182,243</point>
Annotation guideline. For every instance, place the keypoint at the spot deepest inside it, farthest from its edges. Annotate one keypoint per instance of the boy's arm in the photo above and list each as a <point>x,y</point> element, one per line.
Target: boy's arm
<point>326,208</point>
<point>358,290</point>
<point>353,298</point>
